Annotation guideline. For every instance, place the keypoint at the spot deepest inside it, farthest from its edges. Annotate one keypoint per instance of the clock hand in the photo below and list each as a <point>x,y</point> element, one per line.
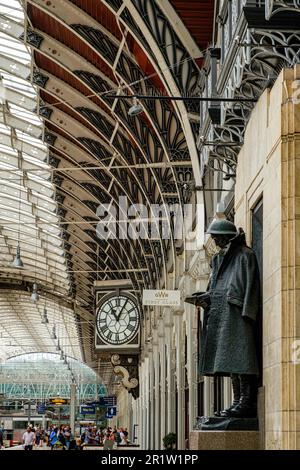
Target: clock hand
<point>113,311</point>
<point>121,311</point>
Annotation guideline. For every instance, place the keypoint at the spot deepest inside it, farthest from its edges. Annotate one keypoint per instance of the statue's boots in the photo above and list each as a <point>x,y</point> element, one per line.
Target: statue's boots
<point>246,408</point>
<point>235,382</point>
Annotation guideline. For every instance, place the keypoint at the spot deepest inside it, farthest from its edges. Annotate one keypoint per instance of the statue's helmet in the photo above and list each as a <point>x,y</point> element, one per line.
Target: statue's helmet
<point>222,227</point>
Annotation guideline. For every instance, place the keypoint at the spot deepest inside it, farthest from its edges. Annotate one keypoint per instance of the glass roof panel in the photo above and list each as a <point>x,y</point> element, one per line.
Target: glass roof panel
<point>28,210</point>
<point>22,330</point>
<point>12,9</point>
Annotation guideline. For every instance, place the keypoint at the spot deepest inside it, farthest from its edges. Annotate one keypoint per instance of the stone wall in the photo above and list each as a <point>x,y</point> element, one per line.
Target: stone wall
<point>269,166</point>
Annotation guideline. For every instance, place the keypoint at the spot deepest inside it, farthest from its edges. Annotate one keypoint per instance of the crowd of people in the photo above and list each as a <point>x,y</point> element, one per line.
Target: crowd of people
<point>62,438</point>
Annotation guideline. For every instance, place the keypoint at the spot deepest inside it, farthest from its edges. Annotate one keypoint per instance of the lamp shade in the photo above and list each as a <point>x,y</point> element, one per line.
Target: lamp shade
<point>135,109</point>
<point>34,296</point>
<point>17,262</point>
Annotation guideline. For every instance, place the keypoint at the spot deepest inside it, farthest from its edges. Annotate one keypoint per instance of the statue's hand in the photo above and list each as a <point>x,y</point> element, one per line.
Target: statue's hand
<point>202,299</point>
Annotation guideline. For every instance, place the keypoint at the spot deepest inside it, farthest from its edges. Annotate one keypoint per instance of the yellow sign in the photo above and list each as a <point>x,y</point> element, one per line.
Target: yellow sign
<point>58,401</point>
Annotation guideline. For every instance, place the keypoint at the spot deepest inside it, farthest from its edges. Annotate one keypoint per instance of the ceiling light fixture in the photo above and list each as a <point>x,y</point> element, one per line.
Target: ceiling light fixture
<point>17,262</point>
<point>34,296</point>
<point>136,108</point>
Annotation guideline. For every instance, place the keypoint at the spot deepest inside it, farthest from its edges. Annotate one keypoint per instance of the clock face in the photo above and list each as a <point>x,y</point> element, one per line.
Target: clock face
<point>117,319</point>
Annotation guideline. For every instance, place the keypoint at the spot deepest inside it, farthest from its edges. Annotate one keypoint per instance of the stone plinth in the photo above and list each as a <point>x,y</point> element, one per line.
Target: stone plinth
<point>219,423</point>
<point>224,440</point>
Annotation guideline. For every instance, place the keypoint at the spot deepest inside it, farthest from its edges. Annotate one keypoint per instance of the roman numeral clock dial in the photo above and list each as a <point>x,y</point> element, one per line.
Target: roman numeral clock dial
<point>117,319</point>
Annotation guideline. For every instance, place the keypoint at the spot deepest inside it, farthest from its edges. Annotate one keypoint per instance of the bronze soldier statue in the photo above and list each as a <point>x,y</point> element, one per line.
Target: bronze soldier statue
<point>231,305</point>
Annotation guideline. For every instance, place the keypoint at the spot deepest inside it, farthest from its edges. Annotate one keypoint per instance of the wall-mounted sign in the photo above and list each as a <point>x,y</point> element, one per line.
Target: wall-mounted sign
<point>87,409</point>
<point>41,408</point>
<point>58,401</point>
<point>112,410</point>
<point>161,298</point>
<point>110,400</point>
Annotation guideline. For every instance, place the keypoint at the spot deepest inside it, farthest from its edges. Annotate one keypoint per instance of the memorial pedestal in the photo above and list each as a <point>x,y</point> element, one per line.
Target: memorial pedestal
<point>224,440</point>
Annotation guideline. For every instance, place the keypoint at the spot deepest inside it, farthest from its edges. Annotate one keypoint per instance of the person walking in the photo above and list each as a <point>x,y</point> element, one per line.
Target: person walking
<point>28,439</point>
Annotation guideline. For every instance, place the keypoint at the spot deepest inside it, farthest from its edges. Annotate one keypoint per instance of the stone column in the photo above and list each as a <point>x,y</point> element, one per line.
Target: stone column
<point>191,365</point>
<point>208,396</point>
<point>170,379</point>
<point>73,389</point>
<point>144,433</point>
<point>156,413</point>
<point>287,370</point>
<point>151,401</point>
<point>130,415</point>
<point>136,422</point>
<point>141,406</point>
<point>180,372</point>
<point>269,167</point>
<point>162,354</point>
<point>227,392</point>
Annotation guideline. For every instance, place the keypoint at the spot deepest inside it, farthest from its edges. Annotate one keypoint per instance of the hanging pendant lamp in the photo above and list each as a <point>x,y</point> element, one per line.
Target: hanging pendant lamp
<point>34,296</point>
<point>136,108</point>
<point>17,262</point>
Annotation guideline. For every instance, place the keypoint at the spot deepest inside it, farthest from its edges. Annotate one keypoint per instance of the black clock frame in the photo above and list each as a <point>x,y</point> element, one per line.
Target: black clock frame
<point>104,299</point>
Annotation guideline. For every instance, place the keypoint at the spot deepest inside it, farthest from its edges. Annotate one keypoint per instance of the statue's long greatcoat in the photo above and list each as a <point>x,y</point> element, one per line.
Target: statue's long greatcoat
<point>228,343</point>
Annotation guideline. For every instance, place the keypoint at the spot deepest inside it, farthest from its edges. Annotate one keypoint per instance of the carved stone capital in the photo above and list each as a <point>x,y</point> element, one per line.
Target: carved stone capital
<point>126,366</point>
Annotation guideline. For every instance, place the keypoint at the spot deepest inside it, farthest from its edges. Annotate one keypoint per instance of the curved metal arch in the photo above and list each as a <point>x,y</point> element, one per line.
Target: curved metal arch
<point>44,238</point>
<point>124,162</point>
<point>97,51</point>
<point>87,208</point>
<point>71,12</point>
<point>34,131</point>
<point>14,329</point>
<point>105,189</point>
<point>130,170</point>
<point>149,42</point>
<point>83,242</point>
<point>179,193</point>
<point>98,129</point>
